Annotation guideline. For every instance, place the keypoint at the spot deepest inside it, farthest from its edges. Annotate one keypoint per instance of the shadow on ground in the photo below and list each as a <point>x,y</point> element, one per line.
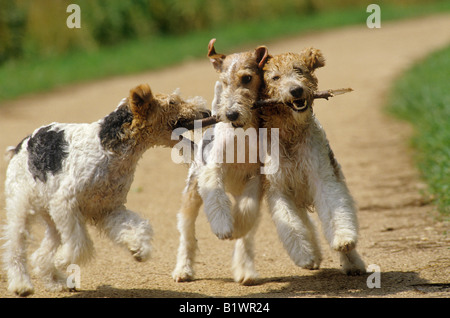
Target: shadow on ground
<point>332,283</point>
<point>323,283</point>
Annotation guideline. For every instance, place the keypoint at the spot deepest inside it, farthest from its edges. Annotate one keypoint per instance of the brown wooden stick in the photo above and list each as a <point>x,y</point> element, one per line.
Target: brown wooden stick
<point>331,93</point>
<point>319,94</point>
<point>208,121</point>
<point>205,122</point>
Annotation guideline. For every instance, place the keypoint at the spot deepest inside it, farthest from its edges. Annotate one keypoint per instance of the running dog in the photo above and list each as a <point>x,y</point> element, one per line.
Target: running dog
<point>212,175</point>
<point>309,177</point>
<point>73,174</point>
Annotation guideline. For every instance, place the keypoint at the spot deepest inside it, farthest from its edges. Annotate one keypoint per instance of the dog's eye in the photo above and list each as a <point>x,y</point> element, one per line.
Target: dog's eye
<point>298,70</point>
<point>275,78</point>
<point>246,79</point>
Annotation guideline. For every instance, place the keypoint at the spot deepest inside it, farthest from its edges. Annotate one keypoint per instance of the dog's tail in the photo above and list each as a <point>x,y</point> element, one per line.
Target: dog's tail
<point>10,152</point>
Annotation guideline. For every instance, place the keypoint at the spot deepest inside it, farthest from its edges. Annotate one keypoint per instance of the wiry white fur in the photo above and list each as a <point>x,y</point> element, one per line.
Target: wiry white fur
<point>91,188</point>
<point>210,180</point>
<point>309,177</point>
<point>306,180</point>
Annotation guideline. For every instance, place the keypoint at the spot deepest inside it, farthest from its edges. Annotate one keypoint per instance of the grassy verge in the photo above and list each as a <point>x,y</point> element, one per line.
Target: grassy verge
<point>18,78</point>
<point>422,97</point>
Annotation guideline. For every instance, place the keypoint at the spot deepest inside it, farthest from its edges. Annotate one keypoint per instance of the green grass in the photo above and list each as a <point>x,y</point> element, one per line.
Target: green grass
<point>422,97</point>
<point>23,77</point>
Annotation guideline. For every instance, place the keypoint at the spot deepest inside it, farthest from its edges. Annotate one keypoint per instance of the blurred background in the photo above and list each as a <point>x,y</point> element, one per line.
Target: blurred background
<point>119,37</point>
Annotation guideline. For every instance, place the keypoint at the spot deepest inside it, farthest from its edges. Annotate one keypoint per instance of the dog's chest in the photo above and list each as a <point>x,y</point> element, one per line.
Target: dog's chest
<point>292,177</point>
<point>290,174</point>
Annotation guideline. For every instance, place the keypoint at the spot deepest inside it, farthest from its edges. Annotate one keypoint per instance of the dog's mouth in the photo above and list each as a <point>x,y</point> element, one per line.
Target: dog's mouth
<point>205,118</point>
<point>298,105</point>
<point>237,125</point>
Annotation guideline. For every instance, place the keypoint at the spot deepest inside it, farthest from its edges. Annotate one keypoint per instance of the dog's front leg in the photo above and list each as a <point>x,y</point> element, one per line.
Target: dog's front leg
<point>337,212</point>
<point>128,229</point>
<point>336,209</point>
<point>295,230</point>
<point>216,202</point>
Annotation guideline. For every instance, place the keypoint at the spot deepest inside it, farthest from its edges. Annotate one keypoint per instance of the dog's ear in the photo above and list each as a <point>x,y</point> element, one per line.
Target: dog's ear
<point>313,58</point>
<point>140,100</point>
<point>215,58</point>
<point>262,55</point>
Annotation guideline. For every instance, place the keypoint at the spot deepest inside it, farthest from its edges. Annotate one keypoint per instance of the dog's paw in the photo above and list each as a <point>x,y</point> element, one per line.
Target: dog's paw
<point>58,283</point>
<point>311,264</point>
<point>222,225</point>
<point>246,278</point>
<point>344,242</point>
<point>352,264</point>
<point>223,231</point>
<point>142,253</point>
<point>183,275</point>
<point>21,286</point>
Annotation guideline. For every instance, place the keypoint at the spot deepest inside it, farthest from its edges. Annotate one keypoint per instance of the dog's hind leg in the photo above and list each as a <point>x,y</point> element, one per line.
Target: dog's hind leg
<point>15,255</point>
<point>305,218</point>
<point>246,218</point>
<point>126,228</point>
<point>191,202</point>
<point>76,245</point>
<point>295,230</point>
<point>243,266</point>
<point>43,259</point>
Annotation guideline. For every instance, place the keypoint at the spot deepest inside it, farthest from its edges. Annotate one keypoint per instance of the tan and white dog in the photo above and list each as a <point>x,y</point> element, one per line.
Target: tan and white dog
<point>309,177</point>
<point>215,174</point>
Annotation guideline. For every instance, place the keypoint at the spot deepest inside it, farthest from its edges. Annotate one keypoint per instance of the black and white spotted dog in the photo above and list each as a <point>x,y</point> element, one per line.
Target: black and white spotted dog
<point>73,174</point>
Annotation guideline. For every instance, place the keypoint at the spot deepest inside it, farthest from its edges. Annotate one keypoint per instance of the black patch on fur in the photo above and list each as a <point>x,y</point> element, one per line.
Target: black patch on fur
<point>334,163</point>
<point>19,146</point>
<point>112,127</point>
<point>46,152</point>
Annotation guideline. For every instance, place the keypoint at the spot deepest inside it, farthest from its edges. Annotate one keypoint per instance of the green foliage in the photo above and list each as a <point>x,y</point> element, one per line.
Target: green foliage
<point>12,26</point>
<point>39,52</point>
<point>37,28</point>
<point>422,97</point>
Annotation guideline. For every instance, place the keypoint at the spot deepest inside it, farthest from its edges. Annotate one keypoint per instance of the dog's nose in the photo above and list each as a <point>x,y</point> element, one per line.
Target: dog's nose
<point>297,91</point>
<point>205,113</point>
<point>232,115</point>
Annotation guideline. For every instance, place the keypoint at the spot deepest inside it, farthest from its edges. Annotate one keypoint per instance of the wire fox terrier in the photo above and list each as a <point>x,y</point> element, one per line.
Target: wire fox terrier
<point>309,176</point>
<point>212,176</point>
<point>73,174</point>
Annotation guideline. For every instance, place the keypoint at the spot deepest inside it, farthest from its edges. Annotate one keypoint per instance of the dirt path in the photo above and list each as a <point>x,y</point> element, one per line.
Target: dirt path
<point>399,232</point>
